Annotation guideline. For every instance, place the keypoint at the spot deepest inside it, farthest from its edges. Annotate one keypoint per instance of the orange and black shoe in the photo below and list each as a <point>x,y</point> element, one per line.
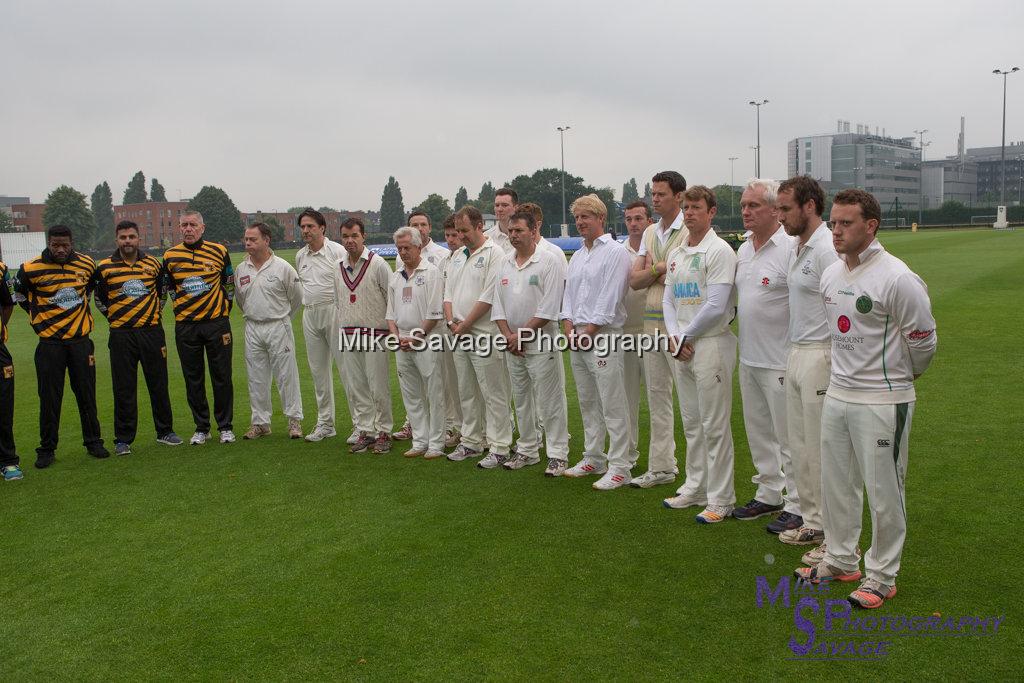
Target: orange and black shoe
<point>825,573</point>
<point>871,594</point>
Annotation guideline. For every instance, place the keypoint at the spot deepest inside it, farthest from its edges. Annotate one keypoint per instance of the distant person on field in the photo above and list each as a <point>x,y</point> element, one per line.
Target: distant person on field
<point>10,463</point>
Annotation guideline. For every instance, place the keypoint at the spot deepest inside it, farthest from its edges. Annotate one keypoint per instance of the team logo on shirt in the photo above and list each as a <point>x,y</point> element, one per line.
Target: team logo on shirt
<point>134,289</point>
<point>504,282</point>
<point>66,298</point>
<point>765,282</point>
<point>534,280</point>
<point>479,262</point>
<point>194,286</point>
<point>844,324</point>
<point>806,270</point>
<point>864,304</point>
<point>695,262</point>
<point>420,280</point>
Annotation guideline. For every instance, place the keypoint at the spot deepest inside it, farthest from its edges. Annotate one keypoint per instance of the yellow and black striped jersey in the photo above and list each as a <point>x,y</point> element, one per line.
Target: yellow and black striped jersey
<point>6,298</point>
<point>56,295</point>
<point>130,294</point>
<point>199,280</point>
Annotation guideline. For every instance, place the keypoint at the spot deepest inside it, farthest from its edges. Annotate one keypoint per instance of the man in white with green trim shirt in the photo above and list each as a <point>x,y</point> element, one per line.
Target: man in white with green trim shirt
<point>483,380</point>
<point>527,301</point>
<point>660,369</point>
<point>505,201</point>
<point>593,312</point>
<point>415,296</point>
<point>800,203</point>
<point>699,303</point>
<point>763,314</point>
<point>883,338</point>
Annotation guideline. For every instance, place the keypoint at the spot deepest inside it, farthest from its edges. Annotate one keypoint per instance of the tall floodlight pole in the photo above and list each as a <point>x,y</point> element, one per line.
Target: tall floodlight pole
<point>1002,153</point>
<point>732,185</point>
<point>757,163</point>
<point>561,136</point>
<point>920,183</point>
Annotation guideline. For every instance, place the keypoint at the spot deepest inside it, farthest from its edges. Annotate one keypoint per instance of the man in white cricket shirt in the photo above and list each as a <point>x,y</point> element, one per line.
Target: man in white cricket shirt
<point>414,308</point>
<point>593,313</point>
<point>660,369</point>
<point>527,301</point>
<point>699,302</point>
<point>505,201</point>
<point>800,203</point>
<point>543,243</point>
<point>362,305</point>
<point>763,312</point>
<point>317,267</point>
<point>883,338</point>
<point>637,216</point>
<point>435,255</point>
<point>268,291</point>
<point>483,380</point>
<point>453,406</point>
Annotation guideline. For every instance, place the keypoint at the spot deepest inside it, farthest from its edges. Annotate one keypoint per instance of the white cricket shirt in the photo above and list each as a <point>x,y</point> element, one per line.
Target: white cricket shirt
<point>415,298</point>
<point>531,290</point>
<point>434,254</point>
<point>806,264</point>
<point>471,278</point>
<point>690,271</point>
<point>317,271</point>
<point>270,292</point>
<point>661,232</point>
<point>763,310</point>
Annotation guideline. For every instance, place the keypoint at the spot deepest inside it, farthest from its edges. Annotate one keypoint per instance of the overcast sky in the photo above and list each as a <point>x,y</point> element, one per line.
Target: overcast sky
<point>286,103</point>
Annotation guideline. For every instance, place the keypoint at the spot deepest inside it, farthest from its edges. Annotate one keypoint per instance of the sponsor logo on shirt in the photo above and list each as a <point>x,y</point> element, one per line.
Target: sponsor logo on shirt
<point>194,286</point>
<point>66,298</point>
<point>884,443</point>
<point>843,324</point>
<point>846,292</point>
<point>243,281</point>
<point>134,289</point>
<point>686,290</point>
<point>504,282</point>
<point>917,335</point>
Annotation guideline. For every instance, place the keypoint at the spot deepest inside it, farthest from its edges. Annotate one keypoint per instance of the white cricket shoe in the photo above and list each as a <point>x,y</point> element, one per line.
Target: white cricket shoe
<point>199,438</point>
<point>650,479</point>
<point>586,467</point>
<point>611,480</point>
<point>321,432</point>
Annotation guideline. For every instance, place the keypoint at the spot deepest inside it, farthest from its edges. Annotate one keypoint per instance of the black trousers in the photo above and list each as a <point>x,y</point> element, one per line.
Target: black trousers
<point>128,348</point>
<point>8,456</point>
<point>78,358</point>
<point>214,338</point>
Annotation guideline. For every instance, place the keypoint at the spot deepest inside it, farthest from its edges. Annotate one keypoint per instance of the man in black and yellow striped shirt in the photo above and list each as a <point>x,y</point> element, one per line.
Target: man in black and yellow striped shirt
<point>199,280</point>
<point>54,288</point>
<point>10,463</point>
<point>130,293</point>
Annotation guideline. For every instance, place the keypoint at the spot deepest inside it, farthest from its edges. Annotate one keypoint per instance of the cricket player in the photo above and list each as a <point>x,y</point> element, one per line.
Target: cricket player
<point>362,305</point>
<point>527,302</point>
<point>505,201</point>
<point>129,291</point>
<point>883,339</point>
<point>317,266</point>
<point>800,203</point>
<point>763,312</point>
<point>542,243</point>
<point>199,279</point>
<point>660,368</point>
<point>415,298</point>
<point>699,302</point>
<point>593,313</point>
<point>638,217</point>
<point>453,406</point>
<point>10,463</point>
<point>54,289</point>
<point>268,290</point>
<point>483,380</point>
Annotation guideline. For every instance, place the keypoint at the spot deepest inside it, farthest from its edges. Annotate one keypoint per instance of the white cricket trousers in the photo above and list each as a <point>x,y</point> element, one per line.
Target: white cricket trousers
<point>420,376</point>
<point>865,446</point>
<point>807,373</point>
<point>320,330</point>
<point>270,353</point>
<point>450,384</point>
<point>660,370</point>
<point>633,374</point>
<point>599,382</point>
<point>764,416</point>
<point>368,387</point>
<point>705,400</point>
<point>486,401</point>
<point>539,390</point>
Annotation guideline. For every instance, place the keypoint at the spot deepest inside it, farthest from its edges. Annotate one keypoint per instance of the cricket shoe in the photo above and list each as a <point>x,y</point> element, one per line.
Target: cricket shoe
<point>433,455</point>
<point>785,522</point>
<point>255,431</point>
<point>755,509</point>
<point>651,479</point>
<point>121,448</point>
<point>12,473</point>
<point>492,460</point>
<point>321,432</point>
<point>403,434</point>
<point>803,536</point>
<point>585,468</point>
<point>228,436</point>
<point>519,461</point>
<point>294,428</point>
<point>871,594</point>
<point>823,572</point>
<point>612,480</point>
<point>685,500</point>
<point>169,439</point>
<point>816,555</point>
<point>461,452</point>
<point>414,452</point>
<point>382,444</point>
<point>555,468</point>
<point>199,438</point>
<point>713,514</point>
<point>353,437</point>
<point>452,438</point>
<point>363,443</point>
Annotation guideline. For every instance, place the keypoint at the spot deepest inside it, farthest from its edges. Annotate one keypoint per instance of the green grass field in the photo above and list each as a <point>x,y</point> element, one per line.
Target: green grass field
<point>281,559</point>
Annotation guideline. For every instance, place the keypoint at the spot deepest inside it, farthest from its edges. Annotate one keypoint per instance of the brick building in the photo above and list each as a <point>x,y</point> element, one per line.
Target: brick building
<point>157,221</point>
<point>28,217</point>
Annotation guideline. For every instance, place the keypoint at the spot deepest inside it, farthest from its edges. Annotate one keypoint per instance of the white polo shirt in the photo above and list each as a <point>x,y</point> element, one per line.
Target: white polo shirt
<point>556,251</point>
<point>663,233</point>
<point>500,238</point>
<point>434,254</point>
<point>531,290</point>
<point>269,292</point>
<point>415,298</point>
<point>691,270</point>
<point>317,272</point>
<point>471,278</point>
<point>806,264</point>
<point>596,284</point>
<point>761,283</point>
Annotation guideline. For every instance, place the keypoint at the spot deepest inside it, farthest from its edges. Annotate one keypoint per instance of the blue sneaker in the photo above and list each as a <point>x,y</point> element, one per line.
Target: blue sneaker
<point>755,509</point>
<point>787,521</point>
<point>169,439</point>
<point>122,448</point>
<point>12,473</point>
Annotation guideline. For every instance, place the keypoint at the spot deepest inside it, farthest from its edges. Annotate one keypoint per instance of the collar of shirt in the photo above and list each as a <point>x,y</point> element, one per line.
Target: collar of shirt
<point>606,237</point>
<point>488,243</point>
<point>248,261</point>
<point>704,244</point>
<point>821,233</point>
<point>677,223</point>
<point>362,257</point>
<point>872,250</point>
<point>778,238</point>
<point>534,258</point>
<point>422,266</point>
<point>323,248</point>
<point>630,249</point>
